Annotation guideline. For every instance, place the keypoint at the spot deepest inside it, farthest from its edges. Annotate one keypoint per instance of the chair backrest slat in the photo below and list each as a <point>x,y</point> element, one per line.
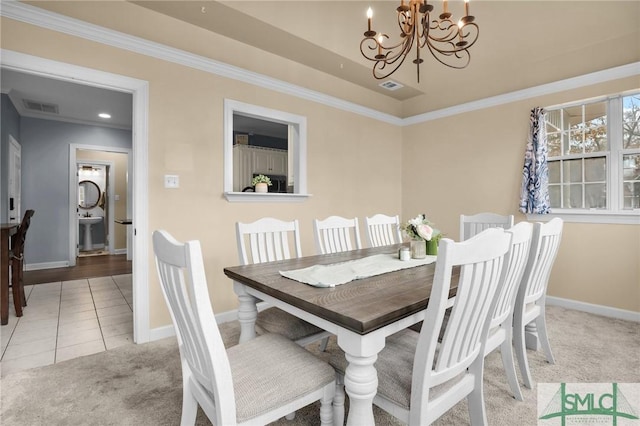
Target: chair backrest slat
<point>267,240</point>
<point>336,234</point>
<point>516,261</point>
<point>544,249</point>
<point>474,224</point>
<point>383,230</point>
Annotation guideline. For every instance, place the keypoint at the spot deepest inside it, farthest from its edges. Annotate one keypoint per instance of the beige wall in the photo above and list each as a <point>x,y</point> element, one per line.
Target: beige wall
<point>353,161</point>
<point>472,162</point>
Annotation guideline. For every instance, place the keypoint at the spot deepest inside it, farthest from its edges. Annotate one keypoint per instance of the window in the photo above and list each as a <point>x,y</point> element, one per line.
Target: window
<point>594,156</point>
<point>260,140</point>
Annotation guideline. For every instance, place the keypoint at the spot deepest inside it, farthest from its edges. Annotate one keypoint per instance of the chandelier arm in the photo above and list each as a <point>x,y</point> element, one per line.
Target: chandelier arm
<point>463,55</point>
<point>471,35</point>
<point>371,44</point>
<point>443,33</point>
<point>388,53</point>
<point>381,65</point>
<point>448,45</point>
<point>394,61</point>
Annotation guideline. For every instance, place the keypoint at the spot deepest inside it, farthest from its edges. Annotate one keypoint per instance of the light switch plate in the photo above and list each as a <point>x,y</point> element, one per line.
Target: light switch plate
<point>171,181</point>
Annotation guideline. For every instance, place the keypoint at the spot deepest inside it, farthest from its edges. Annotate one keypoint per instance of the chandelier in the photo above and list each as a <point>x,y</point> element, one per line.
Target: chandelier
<point>448,42</point>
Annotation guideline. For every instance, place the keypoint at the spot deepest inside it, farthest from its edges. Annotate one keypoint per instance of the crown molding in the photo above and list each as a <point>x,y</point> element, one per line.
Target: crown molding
<point>615,73</point>
<point>64,24</point>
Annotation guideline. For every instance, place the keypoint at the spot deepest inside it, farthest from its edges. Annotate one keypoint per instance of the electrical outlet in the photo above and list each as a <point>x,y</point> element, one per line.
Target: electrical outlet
<point>171,181</point>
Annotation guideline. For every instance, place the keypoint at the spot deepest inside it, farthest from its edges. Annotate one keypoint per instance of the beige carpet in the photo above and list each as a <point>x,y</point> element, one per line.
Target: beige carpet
<point>141,384</point>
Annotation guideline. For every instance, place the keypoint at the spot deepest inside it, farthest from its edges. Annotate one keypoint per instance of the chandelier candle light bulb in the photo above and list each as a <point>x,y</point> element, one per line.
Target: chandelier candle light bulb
<point>369,32</point>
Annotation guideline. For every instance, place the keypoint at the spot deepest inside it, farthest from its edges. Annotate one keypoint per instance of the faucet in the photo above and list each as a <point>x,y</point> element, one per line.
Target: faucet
<point>87,214</point>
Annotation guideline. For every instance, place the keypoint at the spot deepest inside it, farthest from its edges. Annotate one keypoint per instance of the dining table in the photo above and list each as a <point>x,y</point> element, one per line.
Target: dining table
<point>361,313</point>
<point>7,230</point>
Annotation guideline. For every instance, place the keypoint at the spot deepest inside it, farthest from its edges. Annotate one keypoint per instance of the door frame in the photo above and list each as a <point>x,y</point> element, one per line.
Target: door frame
<point>73,191</point>
<point>139,90</point>
<point>14,146</point>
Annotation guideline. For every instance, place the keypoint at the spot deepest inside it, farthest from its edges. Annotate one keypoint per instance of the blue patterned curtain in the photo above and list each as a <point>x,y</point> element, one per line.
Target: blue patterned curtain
<point>534,194</point>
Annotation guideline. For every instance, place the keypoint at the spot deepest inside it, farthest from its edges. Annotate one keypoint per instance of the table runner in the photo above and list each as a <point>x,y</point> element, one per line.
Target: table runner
<point>344,272</point>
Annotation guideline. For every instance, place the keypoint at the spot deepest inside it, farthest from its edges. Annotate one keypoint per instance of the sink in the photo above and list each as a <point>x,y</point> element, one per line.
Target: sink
<point>87,222</point>
<point>90,220</point>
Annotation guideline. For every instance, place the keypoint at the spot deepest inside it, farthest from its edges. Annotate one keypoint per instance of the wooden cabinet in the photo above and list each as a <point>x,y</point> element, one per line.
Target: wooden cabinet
<point>248,160</point>
<point>269,161</point>
<point>242,166</point>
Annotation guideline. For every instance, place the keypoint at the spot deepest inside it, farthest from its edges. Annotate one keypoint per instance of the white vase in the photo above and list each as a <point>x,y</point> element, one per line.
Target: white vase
<point>418,249</point>
<point>262,187</point>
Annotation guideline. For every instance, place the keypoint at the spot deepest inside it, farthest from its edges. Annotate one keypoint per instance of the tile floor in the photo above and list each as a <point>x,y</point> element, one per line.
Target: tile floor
<point>68,319</point>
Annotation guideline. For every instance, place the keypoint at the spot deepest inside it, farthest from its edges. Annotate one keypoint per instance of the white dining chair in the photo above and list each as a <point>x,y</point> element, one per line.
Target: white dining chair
<point>268,240</point>
<point>336,234</point>
<point>473,224</point>
<point>529,312</point>
<point>252,383</point>
<point>501,327</point>
<point>420,379</point>
<point>382,230</point>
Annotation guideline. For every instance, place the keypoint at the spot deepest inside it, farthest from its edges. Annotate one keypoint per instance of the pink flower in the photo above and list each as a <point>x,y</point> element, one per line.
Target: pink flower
<point>424,231</point>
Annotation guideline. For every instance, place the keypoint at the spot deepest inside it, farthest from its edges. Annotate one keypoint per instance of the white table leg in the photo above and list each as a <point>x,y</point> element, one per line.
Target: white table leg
<point>361,384</point>
<point>361,378</point>
<point>531,336</point>
<point>247,313</point>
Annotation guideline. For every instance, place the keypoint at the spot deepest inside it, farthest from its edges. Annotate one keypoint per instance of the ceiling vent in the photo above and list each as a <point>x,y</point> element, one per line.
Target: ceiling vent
<point>391,85</point>
<point>40,106</point>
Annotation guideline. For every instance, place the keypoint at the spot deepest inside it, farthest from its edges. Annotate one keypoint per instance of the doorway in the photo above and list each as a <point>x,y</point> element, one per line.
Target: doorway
<point>139,89</point>
<point>94,207</point>
<point>99,188</point>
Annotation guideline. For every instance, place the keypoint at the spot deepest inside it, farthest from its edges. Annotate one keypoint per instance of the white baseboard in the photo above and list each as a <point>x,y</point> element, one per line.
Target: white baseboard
<point>45,265</point>
<point>161,333</point>
<point>168,330</point>
<point>93,247</point>
<point>605,311</point>
<point>120,251</point>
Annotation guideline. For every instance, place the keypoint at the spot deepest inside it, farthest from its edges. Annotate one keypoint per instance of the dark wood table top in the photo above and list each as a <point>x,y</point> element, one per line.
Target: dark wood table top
<point>361,306</point>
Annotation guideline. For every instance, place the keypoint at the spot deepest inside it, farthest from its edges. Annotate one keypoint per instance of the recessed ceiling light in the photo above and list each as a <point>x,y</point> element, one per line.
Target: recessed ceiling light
<point>104,115</point>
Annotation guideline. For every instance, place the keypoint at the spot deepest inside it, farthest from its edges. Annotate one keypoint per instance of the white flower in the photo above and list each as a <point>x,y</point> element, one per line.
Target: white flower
<point>424,231</point>
<point>418,220</point>
<point>420,228</point>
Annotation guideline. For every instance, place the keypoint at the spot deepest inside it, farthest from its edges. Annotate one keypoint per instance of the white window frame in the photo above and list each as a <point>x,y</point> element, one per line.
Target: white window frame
<point>614,213</point>
<point>297,142</point>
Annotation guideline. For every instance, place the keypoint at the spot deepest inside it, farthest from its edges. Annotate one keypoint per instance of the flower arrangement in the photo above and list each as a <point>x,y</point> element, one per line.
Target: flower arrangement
<point>261,179</point>
<point>420,228</point>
